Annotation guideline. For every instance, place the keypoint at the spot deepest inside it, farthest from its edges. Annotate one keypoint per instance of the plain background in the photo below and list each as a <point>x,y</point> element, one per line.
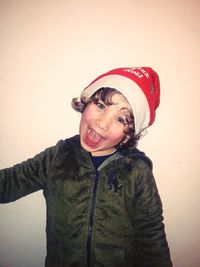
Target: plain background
<point>49,51</point>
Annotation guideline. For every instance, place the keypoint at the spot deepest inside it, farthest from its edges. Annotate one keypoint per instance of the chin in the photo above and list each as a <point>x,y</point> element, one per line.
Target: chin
<point>86,147</point>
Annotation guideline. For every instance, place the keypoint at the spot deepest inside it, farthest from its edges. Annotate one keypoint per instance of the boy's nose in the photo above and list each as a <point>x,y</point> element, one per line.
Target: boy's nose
<point>103,123</point>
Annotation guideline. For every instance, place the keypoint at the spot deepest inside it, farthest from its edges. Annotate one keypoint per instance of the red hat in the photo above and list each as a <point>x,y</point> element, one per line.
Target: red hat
<point>141,87</point>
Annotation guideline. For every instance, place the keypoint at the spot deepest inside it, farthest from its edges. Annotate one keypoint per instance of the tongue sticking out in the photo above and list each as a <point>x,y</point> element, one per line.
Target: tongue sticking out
<point>93,138</point>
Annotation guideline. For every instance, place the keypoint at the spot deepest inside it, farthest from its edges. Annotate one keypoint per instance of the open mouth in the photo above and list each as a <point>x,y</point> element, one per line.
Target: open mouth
<point>93,138</point>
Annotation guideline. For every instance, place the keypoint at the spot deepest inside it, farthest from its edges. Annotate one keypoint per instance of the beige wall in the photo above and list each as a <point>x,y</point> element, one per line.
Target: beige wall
<point>50,50</point>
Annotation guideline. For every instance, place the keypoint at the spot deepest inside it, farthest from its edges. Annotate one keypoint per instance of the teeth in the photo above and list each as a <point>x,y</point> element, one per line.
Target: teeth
<point>94,134</point>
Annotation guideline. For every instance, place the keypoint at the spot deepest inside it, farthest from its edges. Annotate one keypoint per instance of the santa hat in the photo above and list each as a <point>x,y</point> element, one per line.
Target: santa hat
<point>141,87</point>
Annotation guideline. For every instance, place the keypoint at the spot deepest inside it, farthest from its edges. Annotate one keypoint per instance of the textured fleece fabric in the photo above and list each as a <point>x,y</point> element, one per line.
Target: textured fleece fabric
<point>111,217</point>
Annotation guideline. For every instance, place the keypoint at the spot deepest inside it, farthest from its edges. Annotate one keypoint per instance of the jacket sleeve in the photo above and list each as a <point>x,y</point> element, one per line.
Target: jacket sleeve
<point>26,177</point>
<point>152,246</point>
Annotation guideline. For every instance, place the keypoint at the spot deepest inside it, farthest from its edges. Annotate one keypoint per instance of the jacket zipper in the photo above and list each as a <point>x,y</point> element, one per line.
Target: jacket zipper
<point>91,219</point>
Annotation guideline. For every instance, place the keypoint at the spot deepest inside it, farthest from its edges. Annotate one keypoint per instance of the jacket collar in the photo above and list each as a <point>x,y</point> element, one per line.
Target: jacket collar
<point>85,159</point>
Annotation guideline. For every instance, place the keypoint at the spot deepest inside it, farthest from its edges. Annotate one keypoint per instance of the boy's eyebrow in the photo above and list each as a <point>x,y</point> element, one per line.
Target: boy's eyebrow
<point>127,112</point>
<point>126,109</point>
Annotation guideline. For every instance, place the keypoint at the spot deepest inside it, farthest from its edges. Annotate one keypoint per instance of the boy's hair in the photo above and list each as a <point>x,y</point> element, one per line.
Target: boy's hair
<point>105,94</point>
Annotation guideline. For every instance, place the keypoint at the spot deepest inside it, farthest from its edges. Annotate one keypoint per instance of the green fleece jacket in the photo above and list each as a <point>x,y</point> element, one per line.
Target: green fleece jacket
<point>111,217</point>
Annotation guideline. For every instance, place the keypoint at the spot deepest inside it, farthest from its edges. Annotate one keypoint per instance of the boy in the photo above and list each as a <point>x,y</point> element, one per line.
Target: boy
<point>103,207</point>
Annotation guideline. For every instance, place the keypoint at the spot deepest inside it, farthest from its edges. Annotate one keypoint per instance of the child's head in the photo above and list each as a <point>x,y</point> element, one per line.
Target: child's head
<point>108,113</point>
<point>137,93</point>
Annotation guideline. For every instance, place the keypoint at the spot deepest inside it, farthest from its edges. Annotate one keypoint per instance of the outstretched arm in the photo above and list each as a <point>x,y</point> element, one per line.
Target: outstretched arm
<point>24,178</point>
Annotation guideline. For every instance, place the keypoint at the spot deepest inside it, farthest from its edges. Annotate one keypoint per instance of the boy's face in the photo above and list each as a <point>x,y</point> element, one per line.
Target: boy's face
<point>102,126</point>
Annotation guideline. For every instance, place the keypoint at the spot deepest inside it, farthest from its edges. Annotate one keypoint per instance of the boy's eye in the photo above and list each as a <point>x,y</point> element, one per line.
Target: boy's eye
<point>121,120</point>
<point>100,105</point>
